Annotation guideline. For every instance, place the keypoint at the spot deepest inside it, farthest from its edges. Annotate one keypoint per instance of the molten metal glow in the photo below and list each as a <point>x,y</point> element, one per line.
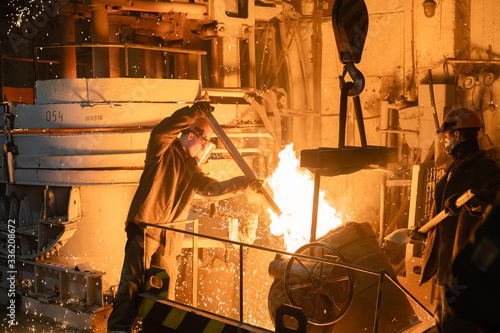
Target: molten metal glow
<point>293,189</point>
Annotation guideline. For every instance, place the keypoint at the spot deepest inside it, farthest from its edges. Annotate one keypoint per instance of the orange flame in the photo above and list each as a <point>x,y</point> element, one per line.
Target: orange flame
<point>293,189</point>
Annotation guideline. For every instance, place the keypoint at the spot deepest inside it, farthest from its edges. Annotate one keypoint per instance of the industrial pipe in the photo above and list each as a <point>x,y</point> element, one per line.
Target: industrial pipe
<point>66,30</point>
<point>114,53</point>
<point>100,56</point>
<point>156,27</point>
<point>194,11</point>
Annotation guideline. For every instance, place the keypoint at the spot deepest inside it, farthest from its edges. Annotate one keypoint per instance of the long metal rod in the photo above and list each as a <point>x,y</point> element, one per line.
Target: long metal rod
<point>19,131</point>
<point>406,292</point>
<point>317,61</point>
<point>314,219</point>
<point>241,283</point>
<point>245,168</point>
<point>31,60</point>
<point>379,302</point>
<point>132,46</point>
<point>343,112</point>
<point>275,251</point>
<point>118,129</point>
<point>433,101</point>
<point>195,265</point>
<point>200,71</point>
<point>144,254</point>
<point>35,72</point>
<point>359,119</point>
<point>471,61</point>
<point>381,224</point>
<point>125,57</point>
<point>252,75</point>
<point>398,131</point>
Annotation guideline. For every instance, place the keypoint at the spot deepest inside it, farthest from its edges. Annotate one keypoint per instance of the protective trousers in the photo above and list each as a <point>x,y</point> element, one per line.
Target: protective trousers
<point>446,321</point>
<point>131,281</point>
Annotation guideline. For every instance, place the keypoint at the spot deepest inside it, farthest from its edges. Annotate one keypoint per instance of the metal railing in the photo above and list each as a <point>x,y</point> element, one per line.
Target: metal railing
<point>126,47</point>
<point>381,274</point>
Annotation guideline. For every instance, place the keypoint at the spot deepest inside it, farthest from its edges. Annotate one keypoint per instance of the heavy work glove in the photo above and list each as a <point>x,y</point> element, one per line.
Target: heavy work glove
<point>200,107</point>
<point>450,206</point>
<point>476,204</point>
<point>417,236</point>
<point>252,184</point>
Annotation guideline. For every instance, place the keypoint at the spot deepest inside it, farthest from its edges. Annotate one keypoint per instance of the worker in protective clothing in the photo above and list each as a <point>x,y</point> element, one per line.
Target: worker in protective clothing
<point>477,266</point>
<point>471,169</point>
<point>166,188</point>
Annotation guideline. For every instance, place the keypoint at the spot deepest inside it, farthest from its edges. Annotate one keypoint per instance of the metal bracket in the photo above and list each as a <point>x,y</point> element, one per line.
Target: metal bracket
<point>293,312</point>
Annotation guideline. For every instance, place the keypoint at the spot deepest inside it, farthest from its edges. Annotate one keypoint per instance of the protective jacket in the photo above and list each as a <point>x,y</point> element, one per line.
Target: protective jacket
<point>477,266</point>
<point>474,171</point>
<point>169,181</point>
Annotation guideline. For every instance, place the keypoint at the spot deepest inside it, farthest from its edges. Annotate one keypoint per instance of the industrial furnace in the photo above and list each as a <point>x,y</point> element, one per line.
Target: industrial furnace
<point>83,82</point>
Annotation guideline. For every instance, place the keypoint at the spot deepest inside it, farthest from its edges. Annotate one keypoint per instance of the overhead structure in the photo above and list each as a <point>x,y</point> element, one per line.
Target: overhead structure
<point>350,25</point>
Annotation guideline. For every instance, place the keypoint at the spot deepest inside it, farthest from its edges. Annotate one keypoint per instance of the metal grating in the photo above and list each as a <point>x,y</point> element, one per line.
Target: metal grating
<point>432,176</point>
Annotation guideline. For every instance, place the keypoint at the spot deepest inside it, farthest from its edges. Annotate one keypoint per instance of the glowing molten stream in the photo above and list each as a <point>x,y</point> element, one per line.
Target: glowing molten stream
<point>293,189</point>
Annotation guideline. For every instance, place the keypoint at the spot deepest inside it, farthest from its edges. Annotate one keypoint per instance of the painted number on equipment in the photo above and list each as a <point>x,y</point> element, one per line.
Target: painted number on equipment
<point>54,116</point>
<point>94,117</point>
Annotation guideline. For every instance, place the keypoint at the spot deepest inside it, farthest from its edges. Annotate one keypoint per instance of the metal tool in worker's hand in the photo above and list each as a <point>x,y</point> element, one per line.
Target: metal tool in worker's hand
<point>237,157</point>
<point>402,236</point>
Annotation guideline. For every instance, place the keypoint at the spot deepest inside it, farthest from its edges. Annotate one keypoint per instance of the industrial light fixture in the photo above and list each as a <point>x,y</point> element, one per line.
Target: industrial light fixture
<point>429,7</point>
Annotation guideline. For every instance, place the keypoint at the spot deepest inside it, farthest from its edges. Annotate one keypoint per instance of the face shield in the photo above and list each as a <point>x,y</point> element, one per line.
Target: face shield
<point>458,126</point>
<point>204,154</point>
<point>204,137</point>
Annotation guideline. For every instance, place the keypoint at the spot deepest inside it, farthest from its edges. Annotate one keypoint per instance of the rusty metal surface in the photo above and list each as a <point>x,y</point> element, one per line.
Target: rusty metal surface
<point>338,161</point>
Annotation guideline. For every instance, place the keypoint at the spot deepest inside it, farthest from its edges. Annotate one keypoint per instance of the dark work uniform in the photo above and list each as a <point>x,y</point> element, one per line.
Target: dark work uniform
<point>168,183</point>
<point>477,268</point>
<point>471,169</point>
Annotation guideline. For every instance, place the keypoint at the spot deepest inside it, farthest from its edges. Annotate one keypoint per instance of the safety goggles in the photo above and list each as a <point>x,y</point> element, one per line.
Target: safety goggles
<point>198,132</point>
